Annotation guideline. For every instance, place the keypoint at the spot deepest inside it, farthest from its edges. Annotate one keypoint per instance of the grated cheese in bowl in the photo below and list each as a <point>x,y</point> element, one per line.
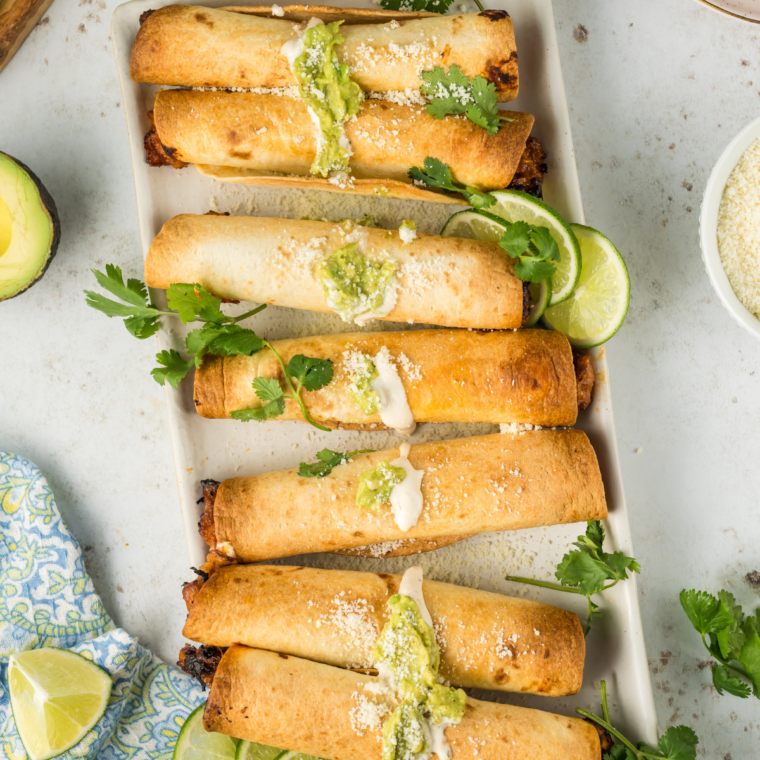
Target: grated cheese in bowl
<point>739,229</point>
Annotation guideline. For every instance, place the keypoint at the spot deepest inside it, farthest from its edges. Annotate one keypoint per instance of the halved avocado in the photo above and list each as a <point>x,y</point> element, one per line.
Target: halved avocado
<point>29,227</point>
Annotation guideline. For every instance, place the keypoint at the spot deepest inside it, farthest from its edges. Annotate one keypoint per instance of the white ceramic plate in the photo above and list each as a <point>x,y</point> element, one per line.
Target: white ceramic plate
<point>221,449</point>
<point>746,10</point>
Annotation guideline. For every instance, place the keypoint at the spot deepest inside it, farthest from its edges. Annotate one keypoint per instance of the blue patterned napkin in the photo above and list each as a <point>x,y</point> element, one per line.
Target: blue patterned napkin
<point>47,599</point>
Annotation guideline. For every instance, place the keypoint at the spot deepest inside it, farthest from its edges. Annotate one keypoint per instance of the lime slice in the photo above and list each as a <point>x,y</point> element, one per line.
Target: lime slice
<point>540,295</point>
<point>57,696</point>
<point>195,743</point>
<point>600,301</point>
<point>253,751</point>
<point>475,225</point>
<point>515,206</point>
<point>299,756</point>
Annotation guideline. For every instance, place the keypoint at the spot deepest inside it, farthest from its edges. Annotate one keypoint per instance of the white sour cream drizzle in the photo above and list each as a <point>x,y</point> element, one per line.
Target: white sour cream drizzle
<point>411,586</point>
<point>406,497</point>
<point>394,407</point>
<point>291,50</point>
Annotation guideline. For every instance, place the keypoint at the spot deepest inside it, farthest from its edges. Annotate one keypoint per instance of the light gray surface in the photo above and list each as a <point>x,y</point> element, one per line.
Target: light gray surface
<point>656,89</point>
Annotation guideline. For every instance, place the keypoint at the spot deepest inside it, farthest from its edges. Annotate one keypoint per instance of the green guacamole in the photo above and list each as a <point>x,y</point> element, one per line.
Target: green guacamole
<point>360,388</point>
<point>407,647</point>
<point>375,485</point>
<point>327,89</point>
<point>354,285</point>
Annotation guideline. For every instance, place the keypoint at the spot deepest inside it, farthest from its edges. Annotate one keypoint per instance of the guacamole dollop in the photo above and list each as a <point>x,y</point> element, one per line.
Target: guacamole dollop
<point>408,649</point>
<point>375,485</point>
<point>327,89</point>
<point>360,385</point>
<point>353,284</point>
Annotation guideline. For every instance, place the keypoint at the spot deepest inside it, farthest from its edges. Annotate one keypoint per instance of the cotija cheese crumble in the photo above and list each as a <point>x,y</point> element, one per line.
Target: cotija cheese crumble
<point>739,229</point>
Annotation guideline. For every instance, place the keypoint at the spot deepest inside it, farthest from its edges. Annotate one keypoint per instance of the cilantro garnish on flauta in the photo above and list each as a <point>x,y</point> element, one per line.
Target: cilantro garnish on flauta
<point>588,570</point>
<point>220,335</point>
<point>453,93</point>
<point>437,174</point>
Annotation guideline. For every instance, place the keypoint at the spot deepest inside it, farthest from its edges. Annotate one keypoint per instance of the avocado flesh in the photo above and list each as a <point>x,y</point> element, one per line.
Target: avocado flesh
<point>29,228</point>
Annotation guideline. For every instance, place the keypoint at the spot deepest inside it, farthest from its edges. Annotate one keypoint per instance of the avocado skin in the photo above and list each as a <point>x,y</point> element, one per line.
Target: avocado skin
<point>49,205</point>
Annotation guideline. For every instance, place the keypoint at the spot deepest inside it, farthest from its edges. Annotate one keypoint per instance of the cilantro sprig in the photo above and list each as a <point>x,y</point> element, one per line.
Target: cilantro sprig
<point>454,93</point>
<point>432,6</point>
<point>327,459</point>
<point>534,248</point>
<point>733,640</point>
<point>437,174</point>
<point>677,743</point>
<point>220,335</point>
<point>588,570</point>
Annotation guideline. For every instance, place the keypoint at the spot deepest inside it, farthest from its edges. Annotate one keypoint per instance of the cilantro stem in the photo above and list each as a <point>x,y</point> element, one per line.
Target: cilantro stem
<point>607,727</point>
<point>480,5</point>
<point>250,313</point>
<point>605,708</point>
<point>543,584</point>
<point>295,391</point>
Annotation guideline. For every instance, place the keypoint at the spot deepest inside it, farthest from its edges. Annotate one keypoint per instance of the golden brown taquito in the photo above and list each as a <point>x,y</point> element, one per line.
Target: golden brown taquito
<point>525,376</point>
<point>487,641</point>
<point>265,133</point>
<point>471,485</point>
<point>445,281</point>
<point>193,46</point>
<point>316,709</point>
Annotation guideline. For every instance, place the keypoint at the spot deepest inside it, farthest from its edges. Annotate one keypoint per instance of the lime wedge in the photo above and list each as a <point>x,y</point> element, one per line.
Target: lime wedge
<point>299,756</point>
<point>515,206</point>
<point>57,696</point>
<point>195,743</point>
<point>253,751</point>
<point>600,301</point>
<point>474,225</point>
<point>540,295</point>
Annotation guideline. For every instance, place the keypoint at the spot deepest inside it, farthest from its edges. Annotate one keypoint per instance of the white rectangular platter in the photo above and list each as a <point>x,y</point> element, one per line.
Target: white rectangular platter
<point>221,449</point>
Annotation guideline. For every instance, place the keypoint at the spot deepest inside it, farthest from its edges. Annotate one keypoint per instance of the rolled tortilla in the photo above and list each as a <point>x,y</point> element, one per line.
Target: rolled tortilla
<point>284,701</point>
<point>193,46</point>
<point>440,280</point>
<point>266,133</point>
<point>526,376</point>
<point>487,641</point>
<point>471,485</point>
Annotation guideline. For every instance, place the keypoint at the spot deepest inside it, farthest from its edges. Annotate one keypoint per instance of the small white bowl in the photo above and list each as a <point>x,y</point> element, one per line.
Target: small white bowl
<point>708,227</point>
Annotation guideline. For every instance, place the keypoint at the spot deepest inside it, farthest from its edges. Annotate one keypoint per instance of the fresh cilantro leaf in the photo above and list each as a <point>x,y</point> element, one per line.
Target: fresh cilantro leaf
<point>327,460</point>
<point>432,6</point>
<point>588,569</point>
<point>749,657</point>
<point>516,239</point>
<point>454,93</point>
<point>732,638</point>
<point>193,302</point>
<point>133,292</point>
<point>267,389</point>
<point>534,248</point>
<point>706,612</point>
<point>725,680</point>
<point>678,743</point>
<point>310,373</point>
<point>582,571</point>
<point>236,341</point>
<point>142,327</point>
<point>530,270</point>
<point>173,368</point>
<point>262,413</point>
<point>114,309</point>
<point>437,174</point>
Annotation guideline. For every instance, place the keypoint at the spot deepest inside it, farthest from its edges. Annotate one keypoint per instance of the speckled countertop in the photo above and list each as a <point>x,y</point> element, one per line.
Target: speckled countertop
<point>656,89</point>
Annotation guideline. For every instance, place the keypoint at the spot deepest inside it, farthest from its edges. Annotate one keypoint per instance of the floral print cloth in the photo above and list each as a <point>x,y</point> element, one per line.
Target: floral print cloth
<point>48,600</point>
